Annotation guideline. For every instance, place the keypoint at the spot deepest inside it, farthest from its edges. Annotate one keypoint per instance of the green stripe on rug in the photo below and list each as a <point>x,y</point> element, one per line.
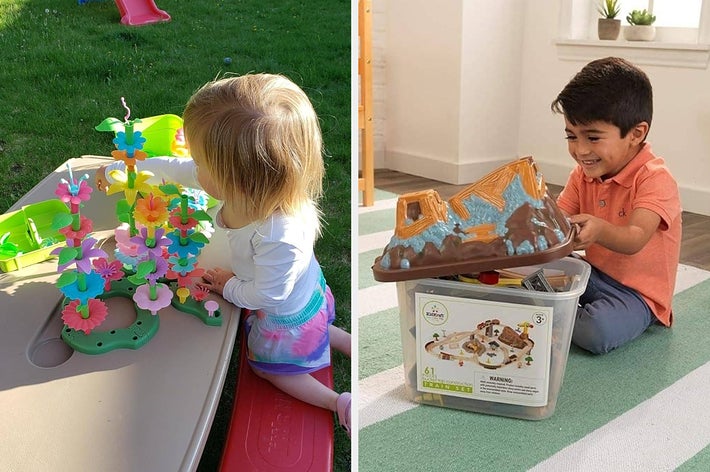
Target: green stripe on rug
<point>383,349</point>
<point>376,221</point>
<point>379,195</point>
<point>697,463</point>
<point>365,261</point>
<point>596,390</point>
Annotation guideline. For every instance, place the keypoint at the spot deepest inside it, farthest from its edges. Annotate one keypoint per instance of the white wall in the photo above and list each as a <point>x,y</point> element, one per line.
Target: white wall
<point>680,132</point>
<point>451,99</point>
<point>464,86</point>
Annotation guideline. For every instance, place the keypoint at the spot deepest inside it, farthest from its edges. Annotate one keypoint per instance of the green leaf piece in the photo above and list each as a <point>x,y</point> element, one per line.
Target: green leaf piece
<point>145,268</point>
<point>199,238</point>
<point>67,255</point>
<point>61,220</point>
<point>110,124</point>
<point>169,189</point>
<point>201,215</point>
<point>67,278</point>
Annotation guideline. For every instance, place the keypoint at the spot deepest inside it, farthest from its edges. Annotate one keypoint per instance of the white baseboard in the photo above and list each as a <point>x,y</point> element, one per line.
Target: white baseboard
<point>451,173</point>
<point>693,199</point>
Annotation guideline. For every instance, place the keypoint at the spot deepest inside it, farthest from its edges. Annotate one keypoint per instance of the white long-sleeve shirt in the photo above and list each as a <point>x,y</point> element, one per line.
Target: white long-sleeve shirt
<point>273,261</point>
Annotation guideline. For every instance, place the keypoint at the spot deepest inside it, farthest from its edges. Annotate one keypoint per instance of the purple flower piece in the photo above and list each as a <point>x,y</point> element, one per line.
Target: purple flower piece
<point>160,241</point>
<point>87,252</point>
<point>161,268</point>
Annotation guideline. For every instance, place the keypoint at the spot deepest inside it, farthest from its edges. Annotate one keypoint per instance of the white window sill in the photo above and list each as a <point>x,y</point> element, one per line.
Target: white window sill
<point>639,52</point>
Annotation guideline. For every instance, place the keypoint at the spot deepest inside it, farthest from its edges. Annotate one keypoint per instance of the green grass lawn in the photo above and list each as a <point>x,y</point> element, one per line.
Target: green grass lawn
<point>66,66</point>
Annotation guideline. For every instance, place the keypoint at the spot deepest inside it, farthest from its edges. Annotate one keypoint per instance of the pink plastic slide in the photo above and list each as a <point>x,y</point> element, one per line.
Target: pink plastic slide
<point>140,12</point>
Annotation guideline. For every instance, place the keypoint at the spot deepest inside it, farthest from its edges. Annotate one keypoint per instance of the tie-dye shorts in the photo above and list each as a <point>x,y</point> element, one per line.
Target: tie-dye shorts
<point>287,349</point>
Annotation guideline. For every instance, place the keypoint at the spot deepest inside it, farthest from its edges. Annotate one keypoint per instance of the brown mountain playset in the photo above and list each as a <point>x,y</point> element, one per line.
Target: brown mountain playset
<point>506,219</point>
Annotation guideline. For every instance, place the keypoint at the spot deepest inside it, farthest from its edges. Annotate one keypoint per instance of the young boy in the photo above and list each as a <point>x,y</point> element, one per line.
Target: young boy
<point>624,203</point>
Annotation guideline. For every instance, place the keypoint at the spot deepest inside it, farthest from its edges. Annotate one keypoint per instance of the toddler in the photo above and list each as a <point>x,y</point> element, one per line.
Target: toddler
<point>256,145</point>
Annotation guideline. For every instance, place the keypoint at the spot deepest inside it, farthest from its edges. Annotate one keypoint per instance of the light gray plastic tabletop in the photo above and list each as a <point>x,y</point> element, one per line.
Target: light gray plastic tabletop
<point>148,409</point>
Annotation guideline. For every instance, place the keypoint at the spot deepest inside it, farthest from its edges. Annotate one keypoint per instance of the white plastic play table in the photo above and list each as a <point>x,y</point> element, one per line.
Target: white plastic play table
<point>148,409</point>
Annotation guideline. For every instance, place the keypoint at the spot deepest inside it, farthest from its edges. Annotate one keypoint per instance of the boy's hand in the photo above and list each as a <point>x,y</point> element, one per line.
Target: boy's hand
<point>625,239</point>
<point>588,230</point>
<point>215,279</point>
<point>100,181</point>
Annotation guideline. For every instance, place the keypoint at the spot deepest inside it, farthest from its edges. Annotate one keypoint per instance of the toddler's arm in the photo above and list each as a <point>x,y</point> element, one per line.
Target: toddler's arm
<point>169,169</point>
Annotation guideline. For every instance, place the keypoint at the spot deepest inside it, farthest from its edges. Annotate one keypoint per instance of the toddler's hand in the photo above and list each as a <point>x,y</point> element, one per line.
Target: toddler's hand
<point>100,181</point>
<point>215,279</point>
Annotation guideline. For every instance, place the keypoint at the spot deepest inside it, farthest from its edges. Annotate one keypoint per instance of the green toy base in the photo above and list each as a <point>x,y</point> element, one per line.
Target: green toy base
<point>140,331</point>
<point>134,336</point>
<point>195,308</point>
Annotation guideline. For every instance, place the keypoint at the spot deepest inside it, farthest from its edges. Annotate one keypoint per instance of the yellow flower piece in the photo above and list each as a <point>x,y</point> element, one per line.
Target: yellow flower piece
<point>151,211</point>
<point>120,184</point>
<point>183,293</point>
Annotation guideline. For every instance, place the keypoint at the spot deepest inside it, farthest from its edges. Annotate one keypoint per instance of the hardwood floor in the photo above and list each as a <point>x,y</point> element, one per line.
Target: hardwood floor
<point>695,246</point>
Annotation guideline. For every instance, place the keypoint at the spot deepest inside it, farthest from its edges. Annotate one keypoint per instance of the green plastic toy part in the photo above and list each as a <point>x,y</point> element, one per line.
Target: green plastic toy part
<point>134,336</point>
<point>159,132</point>
<point>141,330</point>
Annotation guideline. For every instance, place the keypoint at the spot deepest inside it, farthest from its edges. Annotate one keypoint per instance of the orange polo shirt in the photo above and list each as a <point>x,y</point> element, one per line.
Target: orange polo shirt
<point>645,182</point>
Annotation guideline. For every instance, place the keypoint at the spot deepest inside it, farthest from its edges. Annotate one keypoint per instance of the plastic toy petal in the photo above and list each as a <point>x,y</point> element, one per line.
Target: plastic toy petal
<point>73,319</point>
<point>142,298</point>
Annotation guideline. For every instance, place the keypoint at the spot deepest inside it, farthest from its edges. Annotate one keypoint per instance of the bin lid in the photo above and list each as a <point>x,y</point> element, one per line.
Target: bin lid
<point>506,219</point>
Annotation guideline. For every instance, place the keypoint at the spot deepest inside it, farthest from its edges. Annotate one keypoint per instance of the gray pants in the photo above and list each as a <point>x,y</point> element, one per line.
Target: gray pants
<point>610,315</point>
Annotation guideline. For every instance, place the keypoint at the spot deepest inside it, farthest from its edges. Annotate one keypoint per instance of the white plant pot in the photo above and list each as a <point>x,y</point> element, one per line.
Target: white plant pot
<point>639,32</point>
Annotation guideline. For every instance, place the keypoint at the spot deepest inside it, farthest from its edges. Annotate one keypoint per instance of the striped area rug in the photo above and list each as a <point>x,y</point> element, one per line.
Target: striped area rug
<point>642,407</point>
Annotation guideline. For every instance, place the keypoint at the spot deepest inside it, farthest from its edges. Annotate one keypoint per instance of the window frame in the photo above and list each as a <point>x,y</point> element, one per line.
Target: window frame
<point>577,43</point>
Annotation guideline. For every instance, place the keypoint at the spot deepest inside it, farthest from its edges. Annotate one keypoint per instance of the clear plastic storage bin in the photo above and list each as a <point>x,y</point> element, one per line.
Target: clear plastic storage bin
<point>490,349</point>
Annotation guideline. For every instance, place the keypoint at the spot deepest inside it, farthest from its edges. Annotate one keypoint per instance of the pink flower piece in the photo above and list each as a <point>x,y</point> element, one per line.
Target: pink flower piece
<point>69,192</point>
<point>73,319</point>
<point>175,220</point>
<point>211,306</point>
<point>142,298</point>
<point>86,226</point>
<point>200,293</point>
<point>108,270</point>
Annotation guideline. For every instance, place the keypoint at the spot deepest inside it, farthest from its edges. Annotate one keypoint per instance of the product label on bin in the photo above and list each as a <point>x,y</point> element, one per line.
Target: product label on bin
<point>483,350</point>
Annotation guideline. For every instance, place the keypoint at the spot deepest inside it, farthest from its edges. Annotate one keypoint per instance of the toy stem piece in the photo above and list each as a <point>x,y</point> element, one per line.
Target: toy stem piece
<point>75,219</point>
<point>153,292</point>
<point>81,279</point>
<point>131,177</point>
<point>150,238</point>
<point>83,310</point>
<point>183,209</point>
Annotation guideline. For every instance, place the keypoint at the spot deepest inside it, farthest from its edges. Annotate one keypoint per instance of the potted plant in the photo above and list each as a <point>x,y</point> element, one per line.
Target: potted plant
<point>608,26</point>
<point>640,26</point>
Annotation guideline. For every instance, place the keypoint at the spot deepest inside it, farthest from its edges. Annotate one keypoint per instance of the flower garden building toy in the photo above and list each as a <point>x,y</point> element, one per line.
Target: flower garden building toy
<point>160,236</point>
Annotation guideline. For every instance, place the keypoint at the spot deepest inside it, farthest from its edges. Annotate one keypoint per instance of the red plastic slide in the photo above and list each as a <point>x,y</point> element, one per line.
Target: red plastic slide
<point>270,431</point>
<point>140,12</point>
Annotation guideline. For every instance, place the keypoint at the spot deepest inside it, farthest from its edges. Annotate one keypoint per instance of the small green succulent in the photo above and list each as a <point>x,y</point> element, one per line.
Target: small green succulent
<point>640,17</point>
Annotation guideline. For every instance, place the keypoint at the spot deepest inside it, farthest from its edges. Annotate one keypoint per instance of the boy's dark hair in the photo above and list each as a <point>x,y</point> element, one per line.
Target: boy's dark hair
<point>611,90</point>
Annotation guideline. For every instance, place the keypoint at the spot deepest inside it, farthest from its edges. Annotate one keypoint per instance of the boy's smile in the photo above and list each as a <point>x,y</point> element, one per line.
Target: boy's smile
<point>600,150</point>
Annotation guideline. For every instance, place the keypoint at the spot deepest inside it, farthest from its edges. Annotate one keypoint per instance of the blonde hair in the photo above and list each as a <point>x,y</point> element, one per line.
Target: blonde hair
<point>259,137</point>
